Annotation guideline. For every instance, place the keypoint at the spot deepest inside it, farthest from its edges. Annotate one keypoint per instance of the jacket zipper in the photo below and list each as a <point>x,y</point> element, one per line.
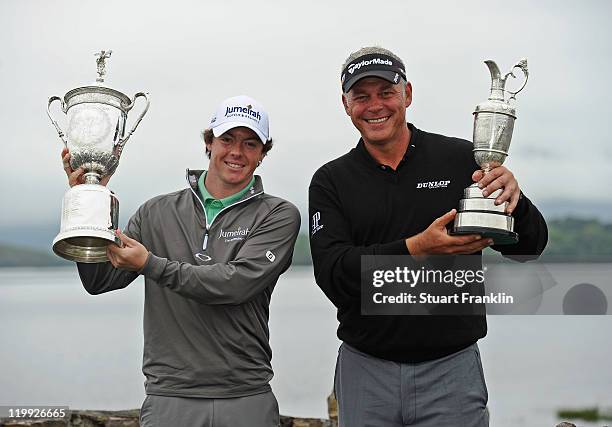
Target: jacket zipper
<point>207,227</point>
<point>205,240</point>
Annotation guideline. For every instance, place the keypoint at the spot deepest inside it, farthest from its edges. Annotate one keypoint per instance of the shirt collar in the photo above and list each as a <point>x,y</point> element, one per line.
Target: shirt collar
<point>209,198</point>
<point>411,146</point>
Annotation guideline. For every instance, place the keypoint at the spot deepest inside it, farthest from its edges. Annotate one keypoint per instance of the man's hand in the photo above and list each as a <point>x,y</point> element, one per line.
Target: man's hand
<point>496,178</point>
<point>435,240</point>
<point>76,176</point>
<point>131,256</point>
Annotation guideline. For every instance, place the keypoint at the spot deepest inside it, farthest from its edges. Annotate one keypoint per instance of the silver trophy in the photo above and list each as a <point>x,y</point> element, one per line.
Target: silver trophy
<point>493,126</point>
<point>97,117</point>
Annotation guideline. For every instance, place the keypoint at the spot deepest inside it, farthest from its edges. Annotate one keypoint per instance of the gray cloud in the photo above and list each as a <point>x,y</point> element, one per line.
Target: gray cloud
<point>191,55</point>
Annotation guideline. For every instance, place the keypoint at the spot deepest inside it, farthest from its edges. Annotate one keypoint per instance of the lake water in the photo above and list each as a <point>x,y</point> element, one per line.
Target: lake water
<point>61,346</point>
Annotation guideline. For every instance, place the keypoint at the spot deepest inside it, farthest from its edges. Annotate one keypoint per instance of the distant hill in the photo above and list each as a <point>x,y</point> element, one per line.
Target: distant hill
<point>301,253</point>
<point>569,239</point>
<point>40,235</point>
<point>579,239</point>
<point>18,256</point>
<point>575,239</point>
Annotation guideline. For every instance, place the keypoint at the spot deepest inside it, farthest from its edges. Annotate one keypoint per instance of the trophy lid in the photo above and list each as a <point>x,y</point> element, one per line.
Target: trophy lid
<point>98,92</point>
<point>497,102</point>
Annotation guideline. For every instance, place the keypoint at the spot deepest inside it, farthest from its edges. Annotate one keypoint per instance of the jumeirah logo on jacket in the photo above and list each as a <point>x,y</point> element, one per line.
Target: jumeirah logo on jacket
<point>238,234</point>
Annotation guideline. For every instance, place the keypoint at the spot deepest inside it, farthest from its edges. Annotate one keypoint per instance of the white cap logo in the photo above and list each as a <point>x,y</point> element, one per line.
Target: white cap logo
<point>241,111</point>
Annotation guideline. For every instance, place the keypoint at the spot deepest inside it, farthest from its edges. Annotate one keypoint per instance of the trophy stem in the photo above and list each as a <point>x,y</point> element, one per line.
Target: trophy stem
<point>92,178</point>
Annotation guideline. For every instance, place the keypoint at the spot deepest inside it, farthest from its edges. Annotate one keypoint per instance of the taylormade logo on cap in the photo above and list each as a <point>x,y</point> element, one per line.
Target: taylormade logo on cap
<point>374,61</point>
<point>372,65</point>
<point>241,111</point>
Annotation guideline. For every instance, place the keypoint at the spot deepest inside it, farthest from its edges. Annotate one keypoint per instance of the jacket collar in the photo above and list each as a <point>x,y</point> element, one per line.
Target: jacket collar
<point>194,174</point>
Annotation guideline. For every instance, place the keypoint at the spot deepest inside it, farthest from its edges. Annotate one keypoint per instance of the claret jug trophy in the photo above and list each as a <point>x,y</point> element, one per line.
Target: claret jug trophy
<point>95,136</point>
<point>493,126</point>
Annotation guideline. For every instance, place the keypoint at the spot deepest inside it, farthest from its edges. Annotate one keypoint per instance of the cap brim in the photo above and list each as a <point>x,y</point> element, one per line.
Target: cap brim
<point>224,127</point>
<point>390,76</point>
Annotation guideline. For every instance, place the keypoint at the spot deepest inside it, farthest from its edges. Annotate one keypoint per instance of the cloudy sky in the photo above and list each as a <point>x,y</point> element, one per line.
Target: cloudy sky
<point>191,55</point>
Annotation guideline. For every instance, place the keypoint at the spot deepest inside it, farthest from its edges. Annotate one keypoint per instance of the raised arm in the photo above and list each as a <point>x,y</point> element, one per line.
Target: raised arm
<point>104,277</point>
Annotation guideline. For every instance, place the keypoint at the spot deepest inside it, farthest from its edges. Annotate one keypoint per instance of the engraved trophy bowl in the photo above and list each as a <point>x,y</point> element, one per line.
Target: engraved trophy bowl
<point>95,136</point>
<point>493,128</point>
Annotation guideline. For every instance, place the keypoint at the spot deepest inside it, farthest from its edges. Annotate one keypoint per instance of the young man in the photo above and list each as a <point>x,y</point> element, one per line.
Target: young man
<point>211,255</point>
<point>398,370</point>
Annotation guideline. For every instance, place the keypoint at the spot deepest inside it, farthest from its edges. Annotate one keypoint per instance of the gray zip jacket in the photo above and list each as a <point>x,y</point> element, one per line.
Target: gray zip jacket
<point>207,289</point>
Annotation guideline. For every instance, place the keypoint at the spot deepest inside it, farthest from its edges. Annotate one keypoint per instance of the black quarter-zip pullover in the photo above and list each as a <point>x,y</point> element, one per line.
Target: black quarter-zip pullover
<point>359,207</point>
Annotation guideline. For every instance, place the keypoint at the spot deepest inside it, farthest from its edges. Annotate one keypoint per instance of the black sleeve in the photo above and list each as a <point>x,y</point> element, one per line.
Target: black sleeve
<point>103,277</point>
<point>335,257</point>
<point>532,230</point>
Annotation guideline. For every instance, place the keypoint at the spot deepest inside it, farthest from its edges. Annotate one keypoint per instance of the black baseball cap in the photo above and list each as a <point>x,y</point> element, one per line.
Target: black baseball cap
<point>372,65</point>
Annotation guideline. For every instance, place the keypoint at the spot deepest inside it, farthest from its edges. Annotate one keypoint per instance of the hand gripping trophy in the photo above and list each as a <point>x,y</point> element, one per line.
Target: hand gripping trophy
<point>97,117</point>
<point>493,126</point>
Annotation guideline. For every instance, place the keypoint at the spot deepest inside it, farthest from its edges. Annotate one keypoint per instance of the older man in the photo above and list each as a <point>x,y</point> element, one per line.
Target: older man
<point>211,255</point>
<point>402,370</point>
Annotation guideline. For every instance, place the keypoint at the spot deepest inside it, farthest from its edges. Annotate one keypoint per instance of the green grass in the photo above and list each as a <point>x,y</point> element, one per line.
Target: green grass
<point>585,414</point>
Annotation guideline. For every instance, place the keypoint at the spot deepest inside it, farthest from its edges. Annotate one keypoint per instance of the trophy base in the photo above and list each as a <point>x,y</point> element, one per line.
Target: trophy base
<point>89,249</point>
<point>480,215</point>
<point>90,214</point>
<point>500,237</point>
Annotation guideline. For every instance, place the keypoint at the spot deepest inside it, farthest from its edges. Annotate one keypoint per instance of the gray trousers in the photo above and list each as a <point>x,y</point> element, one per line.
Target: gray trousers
<point>259,410</point>
<point>373,392</point>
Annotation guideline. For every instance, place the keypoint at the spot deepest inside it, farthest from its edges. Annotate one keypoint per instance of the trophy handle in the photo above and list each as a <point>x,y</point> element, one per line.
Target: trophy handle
<point>522,65</point>
<point>123,140</point>
<point>59,130</point>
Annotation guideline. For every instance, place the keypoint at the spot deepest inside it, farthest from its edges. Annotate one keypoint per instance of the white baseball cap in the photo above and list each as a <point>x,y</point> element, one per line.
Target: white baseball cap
<point>241,111</point>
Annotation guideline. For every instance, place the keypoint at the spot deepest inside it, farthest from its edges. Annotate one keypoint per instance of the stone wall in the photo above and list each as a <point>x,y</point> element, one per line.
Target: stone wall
<point>129,418</point>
